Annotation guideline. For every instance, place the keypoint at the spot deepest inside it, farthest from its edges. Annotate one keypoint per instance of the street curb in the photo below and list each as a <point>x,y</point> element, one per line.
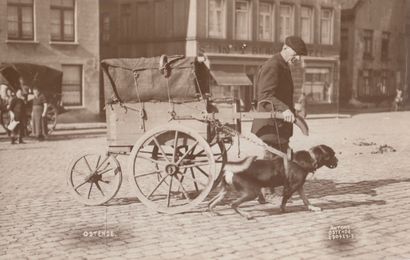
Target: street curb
<point>327,116</point>
<point>80,126</point>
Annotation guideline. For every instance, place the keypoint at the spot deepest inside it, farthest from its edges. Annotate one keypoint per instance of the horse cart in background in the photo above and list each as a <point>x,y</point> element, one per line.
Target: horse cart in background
<point>46,79</point>
<point>160,113</point>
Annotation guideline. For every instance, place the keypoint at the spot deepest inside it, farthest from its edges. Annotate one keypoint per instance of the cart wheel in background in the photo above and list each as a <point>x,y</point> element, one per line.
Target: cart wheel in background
<point>51,118</point>
<point>221,157</point>
<point>94,179</point>
<point>172,169</point>
<point>5,120</point>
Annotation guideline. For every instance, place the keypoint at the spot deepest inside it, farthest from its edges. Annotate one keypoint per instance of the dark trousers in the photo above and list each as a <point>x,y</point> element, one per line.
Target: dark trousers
<point>18,132</point>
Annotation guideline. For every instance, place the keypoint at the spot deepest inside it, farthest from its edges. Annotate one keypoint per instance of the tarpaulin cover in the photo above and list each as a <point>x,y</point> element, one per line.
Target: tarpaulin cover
<point>46,79</point>
<point>187,79</point>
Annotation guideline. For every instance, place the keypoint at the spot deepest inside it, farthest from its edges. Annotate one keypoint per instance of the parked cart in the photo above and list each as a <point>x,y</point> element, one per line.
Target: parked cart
<point>160,113</point>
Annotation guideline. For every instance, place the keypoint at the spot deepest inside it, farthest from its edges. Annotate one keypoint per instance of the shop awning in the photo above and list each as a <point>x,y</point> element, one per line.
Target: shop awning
<point>224,78</point>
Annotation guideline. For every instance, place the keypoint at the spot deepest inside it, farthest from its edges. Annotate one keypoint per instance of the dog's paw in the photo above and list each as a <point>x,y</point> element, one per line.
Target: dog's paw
<point>262,201</point>
<point>212,214</point>
<point>314,208</point>
<point>249,217</point>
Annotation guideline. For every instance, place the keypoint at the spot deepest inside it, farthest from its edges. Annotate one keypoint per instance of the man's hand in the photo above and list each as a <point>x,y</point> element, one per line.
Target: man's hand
<point>288,116</point>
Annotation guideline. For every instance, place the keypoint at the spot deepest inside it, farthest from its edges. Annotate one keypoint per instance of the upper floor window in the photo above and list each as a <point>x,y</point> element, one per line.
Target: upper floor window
<point>62,20</point>
<point>20,22</point>
<point>368,44</point>
<point>216,18</point>
<point>142,29</point>
<point>286,21</point>
<point>306,24</point>
<point>326,26</point>
<point>125,22</point>
<point>266,21</point>
<point>385,46</point>
<point>105,27</point>
<point>162,22</point>
<point>242,20</point>
<point>344,43</point>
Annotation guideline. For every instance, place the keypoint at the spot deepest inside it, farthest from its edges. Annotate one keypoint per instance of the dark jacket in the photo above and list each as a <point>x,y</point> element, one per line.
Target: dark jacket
<point>18,107</point>
<point>274,84</point>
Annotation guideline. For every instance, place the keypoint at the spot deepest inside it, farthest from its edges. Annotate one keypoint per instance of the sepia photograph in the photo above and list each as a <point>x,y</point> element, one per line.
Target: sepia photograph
<point>205,129</point>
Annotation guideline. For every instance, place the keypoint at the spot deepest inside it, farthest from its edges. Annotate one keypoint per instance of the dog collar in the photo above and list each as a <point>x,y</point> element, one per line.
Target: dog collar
<point>312,155</point>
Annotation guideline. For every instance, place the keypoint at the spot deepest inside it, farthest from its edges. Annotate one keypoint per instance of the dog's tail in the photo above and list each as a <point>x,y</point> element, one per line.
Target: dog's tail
<point>242,165</point>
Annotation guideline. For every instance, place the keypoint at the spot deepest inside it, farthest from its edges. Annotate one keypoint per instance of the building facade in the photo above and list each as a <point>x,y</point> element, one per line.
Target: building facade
<point>236,36</point>
<point>62,34</point>
<point>373,54</point>
<point>407,44</point>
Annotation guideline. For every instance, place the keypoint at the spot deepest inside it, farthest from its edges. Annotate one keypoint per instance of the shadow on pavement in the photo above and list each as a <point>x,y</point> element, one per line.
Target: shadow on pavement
<point>323,188</point>
<point>122,201</point>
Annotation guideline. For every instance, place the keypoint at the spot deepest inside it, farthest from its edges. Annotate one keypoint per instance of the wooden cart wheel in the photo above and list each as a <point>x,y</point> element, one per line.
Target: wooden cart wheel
<point>172,169</point>
<point>221,157</point>
<point>51,118</point>
<point>5,120</point>
<point>94,179</point>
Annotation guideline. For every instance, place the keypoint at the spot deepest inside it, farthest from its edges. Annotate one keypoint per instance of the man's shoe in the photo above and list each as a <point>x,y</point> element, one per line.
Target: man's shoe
<point>261,199</point>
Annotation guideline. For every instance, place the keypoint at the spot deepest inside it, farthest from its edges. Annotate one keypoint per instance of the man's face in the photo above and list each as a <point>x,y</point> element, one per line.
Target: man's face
<point>293,57</point>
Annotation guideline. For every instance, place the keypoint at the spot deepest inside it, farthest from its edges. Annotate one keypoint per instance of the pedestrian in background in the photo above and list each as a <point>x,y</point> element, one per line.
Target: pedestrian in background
<point>38,116</point>
<point>398,100</point>
<point>17,110</point>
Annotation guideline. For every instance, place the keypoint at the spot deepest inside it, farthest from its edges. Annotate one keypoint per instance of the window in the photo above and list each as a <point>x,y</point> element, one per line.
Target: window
<point>306,24</point>
<point>326,26</point>
<point>286,21</point>
<point>365,86</point>
<point>72,85</point>
<point>125,21</point>
<point>318,85</point>
<point>142,16</point>
<point>216,18</point>
<point>62,20</point>
<point>344,42</point>
<point>105,27</point>
<point>368,44</point>
<point>20,25</point>
<point>385,46</point>
<point>162,21</point>
<point>242,20</point>
<point>266,21</point>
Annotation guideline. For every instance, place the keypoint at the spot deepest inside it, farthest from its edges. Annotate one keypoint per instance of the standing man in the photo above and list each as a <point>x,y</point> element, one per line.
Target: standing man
<point>275,91</point>
<point>17,109</point>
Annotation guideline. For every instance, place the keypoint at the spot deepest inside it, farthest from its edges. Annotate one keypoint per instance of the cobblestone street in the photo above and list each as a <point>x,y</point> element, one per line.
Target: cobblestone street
<point>368,194</point>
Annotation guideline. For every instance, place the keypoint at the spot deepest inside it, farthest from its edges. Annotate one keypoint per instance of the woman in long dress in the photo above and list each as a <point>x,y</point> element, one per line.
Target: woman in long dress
<point>38,115</point>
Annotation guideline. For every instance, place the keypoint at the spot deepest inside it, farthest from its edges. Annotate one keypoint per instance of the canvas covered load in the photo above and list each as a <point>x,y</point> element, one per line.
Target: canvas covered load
<point>175,78</point>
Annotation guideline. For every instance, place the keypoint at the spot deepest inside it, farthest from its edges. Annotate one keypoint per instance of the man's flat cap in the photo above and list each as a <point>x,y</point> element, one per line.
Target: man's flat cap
<point>297,44</point>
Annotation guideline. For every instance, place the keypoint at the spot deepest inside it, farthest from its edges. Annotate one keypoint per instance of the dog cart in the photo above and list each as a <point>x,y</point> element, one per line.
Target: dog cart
<point>160,113</point>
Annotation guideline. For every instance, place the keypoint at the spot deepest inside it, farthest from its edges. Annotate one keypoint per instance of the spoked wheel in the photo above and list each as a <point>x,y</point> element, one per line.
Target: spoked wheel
<point>5,120</point>
<point>51,118</point>
<point>172,169</point>
<point>94,179</point>
<point>221,157</point>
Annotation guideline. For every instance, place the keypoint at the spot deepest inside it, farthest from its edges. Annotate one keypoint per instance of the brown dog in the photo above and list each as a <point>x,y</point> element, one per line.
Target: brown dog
<point>249,176</point>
